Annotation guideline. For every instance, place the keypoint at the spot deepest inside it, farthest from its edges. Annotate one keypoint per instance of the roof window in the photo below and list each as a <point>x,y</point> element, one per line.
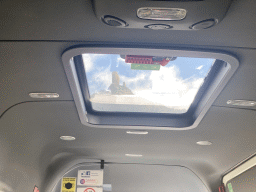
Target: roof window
<point>145,88</point>
<point>150,84</point>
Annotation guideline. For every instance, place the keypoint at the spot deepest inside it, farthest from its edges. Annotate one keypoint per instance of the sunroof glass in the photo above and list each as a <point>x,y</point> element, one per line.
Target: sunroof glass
<point>149,84</point>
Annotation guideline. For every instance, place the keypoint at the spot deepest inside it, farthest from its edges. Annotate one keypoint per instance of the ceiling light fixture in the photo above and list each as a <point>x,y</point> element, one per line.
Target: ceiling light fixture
<point>133,155</point>
<point>243,103</point>
<point>154,13</point>
<point>203,143</point>
<point>44,95</point>
<point>67,138</point>
<point>137,132</point>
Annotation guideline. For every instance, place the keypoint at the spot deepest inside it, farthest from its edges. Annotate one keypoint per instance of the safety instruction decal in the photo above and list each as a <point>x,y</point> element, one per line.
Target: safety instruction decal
<point>68,184</point>
<point>90,178</point>
<point>90,189</point>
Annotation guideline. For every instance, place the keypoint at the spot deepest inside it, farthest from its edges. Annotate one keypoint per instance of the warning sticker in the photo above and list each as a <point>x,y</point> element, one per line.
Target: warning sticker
<point>90,177</point>
<point>90,189</point>
<point>68,184</point>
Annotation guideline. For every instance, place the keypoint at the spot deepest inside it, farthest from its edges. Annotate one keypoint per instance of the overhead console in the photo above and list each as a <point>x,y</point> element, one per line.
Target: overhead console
<point>165,15</point>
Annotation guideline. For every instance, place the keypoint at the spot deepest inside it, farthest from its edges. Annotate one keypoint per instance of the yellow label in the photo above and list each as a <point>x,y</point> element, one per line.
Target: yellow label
<point>68,184</point>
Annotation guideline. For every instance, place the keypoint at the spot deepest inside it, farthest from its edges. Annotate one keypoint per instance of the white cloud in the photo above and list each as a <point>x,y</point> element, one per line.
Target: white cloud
<point>137,82</point>
<point>200,67</point>
<point>87,62</point>
<point>100,80</point>
<point>122,61</point>
<point>89,59</point>
<point>170,90</point>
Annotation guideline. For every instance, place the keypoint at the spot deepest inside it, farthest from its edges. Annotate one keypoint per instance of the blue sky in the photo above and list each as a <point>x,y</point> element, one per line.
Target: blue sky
<point>179,80</point>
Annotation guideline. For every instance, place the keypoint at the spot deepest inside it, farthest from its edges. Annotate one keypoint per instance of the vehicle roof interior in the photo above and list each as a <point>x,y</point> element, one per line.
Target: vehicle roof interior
<point>34,35</point>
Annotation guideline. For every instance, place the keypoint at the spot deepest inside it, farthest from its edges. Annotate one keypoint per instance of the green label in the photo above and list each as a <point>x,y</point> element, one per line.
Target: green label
<point>145,66</point>
<point>230,188</point>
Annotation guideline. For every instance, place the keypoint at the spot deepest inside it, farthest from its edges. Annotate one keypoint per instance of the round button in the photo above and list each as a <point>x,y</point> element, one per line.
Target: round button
<point>114,21</point>
<point>203,24</point>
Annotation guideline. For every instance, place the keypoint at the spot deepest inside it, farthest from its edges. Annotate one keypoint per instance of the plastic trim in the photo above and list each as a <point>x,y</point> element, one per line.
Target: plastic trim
<point>239,170</point>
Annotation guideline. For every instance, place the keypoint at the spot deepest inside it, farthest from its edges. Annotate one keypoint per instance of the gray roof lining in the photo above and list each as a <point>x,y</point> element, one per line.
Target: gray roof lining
<point>222,126</point>
<point>34,34</point>
<point>20,80</point>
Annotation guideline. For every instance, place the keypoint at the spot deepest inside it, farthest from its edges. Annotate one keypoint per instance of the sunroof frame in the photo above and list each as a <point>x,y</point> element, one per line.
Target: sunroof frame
<point>223,69</point>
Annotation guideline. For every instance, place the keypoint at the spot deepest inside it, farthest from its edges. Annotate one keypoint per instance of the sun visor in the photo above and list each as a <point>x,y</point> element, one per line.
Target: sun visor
<point>163,15</point>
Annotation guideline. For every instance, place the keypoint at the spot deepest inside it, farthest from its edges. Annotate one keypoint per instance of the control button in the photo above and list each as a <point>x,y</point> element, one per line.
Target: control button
<point>114,21</point>
<point>204,24</point>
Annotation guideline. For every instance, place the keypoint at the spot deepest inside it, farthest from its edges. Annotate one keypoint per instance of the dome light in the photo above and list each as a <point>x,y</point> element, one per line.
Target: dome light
<point>154,13</point>
<point>67,138</point>
<point>203,143</point>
